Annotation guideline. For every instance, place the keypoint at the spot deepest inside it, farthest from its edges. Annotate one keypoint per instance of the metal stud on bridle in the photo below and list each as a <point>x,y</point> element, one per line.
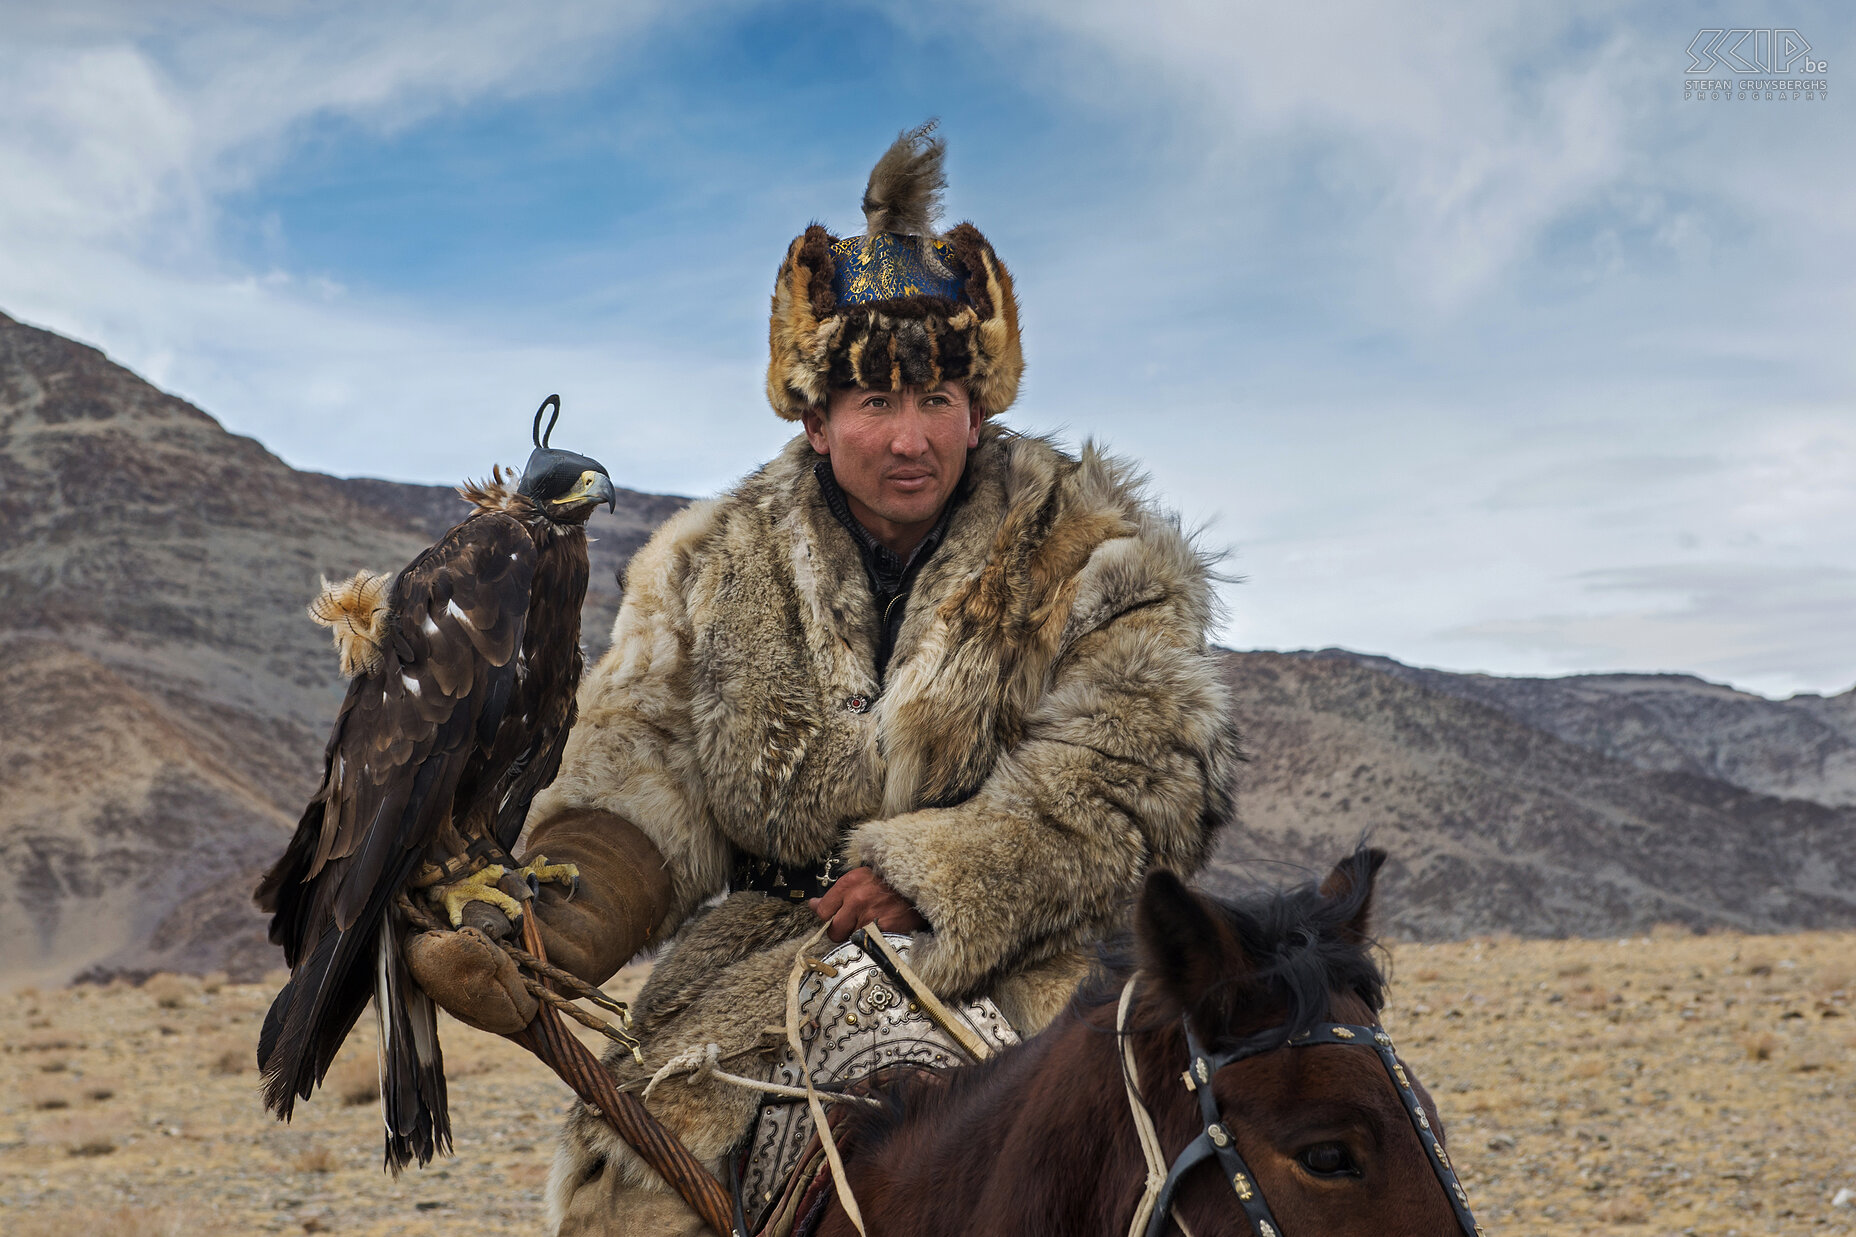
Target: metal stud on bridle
<point>1215,1140</point>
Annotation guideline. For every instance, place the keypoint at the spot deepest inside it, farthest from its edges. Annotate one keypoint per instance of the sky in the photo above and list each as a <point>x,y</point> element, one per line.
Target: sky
<point>1465,336</point>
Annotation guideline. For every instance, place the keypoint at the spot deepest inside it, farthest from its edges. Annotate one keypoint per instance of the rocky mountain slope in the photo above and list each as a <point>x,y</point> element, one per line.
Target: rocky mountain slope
<point>166,700</point>
<point>165,703</point>
<point>1498,821</point>
<point>1801,748</point>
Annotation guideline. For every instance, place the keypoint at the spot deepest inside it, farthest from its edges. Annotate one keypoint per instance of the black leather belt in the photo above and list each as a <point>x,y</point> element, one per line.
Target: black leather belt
<point>786,881</point>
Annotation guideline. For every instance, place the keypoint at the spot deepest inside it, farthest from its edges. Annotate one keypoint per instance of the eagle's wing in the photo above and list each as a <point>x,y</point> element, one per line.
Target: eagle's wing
<point>404,736</point>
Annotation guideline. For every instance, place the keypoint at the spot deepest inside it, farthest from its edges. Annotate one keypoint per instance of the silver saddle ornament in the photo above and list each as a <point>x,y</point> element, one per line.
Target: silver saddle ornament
<point>854,1018</point>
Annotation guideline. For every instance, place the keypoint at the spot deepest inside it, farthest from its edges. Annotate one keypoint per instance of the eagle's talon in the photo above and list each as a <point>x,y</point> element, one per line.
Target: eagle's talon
<point>539,870</point>
<point>479,886</point>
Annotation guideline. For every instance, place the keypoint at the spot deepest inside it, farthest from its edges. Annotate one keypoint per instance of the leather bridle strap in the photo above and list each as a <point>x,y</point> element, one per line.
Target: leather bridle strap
<point>1375,1038</point>
<point>1215,1140</point>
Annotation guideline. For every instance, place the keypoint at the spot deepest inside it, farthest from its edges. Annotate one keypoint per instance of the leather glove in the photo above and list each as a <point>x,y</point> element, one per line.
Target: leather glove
<point>469,975</point>
<point>623,894</point>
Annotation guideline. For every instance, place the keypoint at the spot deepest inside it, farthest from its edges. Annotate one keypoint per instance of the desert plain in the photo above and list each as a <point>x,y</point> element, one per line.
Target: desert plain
<point>1669,1084</point>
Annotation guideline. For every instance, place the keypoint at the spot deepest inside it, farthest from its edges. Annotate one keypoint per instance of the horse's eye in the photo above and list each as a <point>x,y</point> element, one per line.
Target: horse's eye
<point>1329,1160</point>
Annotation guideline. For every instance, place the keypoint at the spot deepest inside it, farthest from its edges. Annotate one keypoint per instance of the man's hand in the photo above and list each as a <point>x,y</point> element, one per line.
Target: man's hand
<point>860,898</point>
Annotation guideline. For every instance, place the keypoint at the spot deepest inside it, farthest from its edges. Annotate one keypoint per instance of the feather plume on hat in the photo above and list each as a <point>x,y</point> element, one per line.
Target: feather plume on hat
<point>904,193</point>
<point>901,305</point>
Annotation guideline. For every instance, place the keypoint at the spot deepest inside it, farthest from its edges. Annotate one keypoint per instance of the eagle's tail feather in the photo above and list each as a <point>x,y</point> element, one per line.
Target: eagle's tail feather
<point>412,1069</point>
<point>308,1020</point>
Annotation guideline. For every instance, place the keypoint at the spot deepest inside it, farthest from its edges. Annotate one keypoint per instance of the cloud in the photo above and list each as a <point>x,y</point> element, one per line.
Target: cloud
<point>1452,136</point>
<point>1776,630</point>
<point>1457,314</point>
<point>1464,333</point>
<point>134,125</point>
<point>1570,552</point>
<point>146,113</point>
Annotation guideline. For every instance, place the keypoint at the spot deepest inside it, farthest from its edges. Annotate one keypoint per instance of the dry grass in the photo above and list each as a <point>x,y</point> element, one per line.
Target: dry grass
<point>47,1095</point>
<point>1633,1209</point>
<point>317,1160</point>
<point>1641,1114</point>
<point>121,1222</point>
<point>1756,962</point>
<point>1760,1047</point>
<point>228,1056</point>
<point>354,1080</point>
<point>171,991</point>
<point>84,1135</point>
<point>533,1176</point>
<point>43,1037</point>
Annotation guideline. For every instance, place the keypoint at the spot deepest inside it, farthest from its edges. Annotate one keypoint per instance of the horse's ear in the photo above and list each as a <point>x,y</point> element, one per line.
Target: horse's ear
<point>1350,885</point>
<point>1183,946</point>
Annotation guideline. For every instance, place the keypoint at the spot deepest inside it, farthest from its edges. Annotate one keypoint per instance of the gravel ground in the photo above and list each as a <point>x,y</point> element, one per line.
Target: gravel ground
<point>1673,1084</point>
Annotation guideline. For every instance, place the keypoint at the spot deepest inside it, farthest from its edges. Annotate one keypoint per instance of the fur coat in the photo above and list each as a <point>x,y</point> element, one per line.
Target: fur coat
<point>1052,722</point>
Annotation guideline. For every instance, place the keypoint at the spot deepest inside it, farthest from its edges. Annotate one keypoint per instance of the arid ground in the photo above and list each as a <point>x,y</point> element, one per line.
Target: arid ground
<point>1660,1085</point>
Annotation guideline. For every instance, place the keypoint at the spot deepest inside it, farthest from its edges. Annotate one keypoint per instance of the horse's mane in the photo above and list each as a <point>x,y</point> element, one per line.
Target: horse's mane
<point>1299,947</point>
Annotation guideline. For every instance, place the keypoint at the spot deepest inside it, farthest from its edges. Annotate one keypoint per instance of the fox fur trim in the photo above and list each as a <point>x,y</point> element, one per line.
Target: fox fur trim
<point>815,346</point>
<point>357,614</point>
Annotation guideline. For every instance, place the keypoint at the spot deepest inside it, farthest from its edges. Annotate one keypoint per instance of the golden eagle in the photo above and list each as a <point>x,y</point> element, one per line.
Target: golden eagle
<point>464,669</point>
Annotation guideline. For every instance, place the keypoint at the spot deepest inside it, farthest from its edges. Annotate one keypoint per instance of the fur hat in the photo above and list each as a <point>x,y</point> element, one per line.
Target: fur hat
<point>901,305</point>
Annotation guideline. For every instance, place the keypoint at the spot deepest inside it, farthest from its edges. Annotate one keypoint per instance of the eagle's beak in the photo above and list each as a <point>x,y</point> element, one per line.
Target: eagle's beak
<point>593,488</point>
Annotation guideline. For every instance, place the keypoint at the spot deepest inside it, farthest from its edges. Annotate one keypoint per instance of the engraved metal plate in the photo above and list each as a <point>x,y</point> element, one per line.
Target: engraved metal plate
<point>851,1023</point>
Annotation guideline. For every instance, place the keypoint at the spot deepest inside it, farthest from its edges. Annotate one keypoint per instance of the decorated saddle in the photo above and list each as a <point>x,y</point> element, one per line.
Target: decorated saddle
<point>860,1022</point>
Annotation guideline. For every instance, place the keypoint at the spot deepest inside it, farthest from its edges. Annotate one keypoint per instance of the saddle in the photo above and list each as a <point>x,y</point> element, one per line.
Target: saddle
<point>861,1032</point>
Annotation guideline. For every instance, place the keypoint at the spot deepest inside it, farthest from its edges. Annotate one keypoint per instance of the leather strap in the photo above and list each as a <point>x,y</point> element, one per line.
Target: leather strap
<point>1216,1142</point>
<point>787,882</point>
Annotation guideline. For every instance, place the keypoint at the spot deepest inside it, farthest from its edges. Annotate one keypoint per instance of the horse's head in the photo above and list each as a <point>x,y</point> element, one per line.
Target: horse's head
<point>1322,1128</point>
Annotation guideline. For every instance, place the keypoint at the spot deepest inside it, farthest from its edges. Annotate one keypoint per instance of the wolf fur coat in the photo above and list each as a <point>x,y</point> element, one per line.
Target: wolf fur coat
<point>1051,724</point>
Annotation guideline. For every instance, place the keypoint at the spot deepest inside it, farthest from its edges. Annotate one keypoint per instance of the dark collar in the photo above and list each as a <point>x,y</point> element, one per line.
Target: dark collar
<point>887,569</point>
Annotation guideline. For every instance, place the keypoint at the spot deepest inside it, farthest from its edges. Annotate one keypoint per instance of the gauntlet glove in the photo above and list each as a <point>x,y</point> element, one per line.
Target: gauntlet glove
<point>589,931</point>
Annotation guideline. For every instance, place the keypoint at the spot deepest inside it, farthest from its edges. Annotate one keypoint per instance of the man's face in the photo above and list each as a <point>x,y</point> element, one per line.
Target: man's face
<point>897,454</point>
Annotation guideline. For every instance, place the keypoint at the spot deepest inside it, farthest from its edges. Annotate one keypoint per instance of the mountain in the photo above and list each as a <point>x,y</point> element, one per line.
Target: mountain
<point>166,699</point>
<point>1801,748</point>
<point>1590,805</point>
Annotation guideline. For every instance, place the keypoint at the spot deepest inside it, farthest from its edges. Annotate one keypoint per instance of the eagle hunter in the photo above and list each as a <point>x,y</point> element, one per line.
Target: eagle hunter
<point>464,668</point>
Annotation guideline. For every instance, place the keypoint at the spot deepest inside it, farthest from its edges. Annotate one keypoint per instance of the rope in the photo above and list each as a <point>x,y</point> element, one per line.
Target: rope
<point>547,1037</point>
<point>573,983</point>
<point>839,1180</point>
<point>590,1021</point>
<point>425,921</point>
<point>705,1060</point>
<point>1143,1124</point>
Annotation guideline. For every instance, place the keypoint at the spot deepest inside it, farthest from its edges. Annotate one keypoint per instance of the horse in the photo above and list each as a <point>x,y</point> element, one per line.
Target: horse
<point>1269,1001</point>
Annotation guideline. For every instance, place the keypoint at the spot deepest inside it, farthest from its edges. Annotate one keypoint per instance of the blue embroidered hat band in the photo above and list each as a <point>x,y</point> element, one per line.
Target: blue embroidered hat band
<point>904,304</point>
<point>867,269</point>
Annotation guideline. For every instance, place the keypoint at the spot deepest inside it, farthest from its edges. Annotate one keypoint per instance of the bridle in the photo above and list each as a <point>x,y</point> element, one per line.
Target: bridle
<point>1215,1141</point>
